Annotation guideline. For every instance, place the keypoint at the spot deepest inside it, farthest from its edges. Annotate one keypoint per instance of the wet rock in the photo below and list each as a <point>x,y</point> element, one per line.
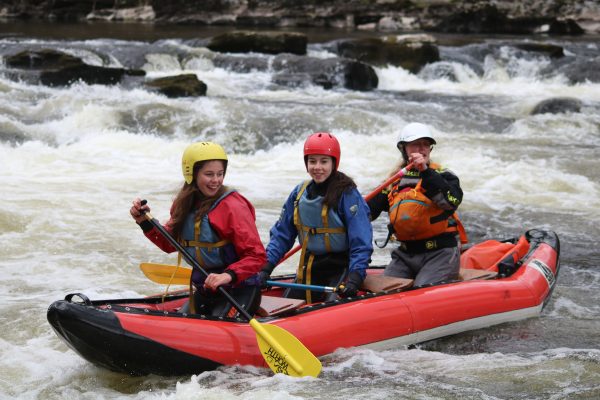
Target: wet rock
<point>439,70</point>
<point>410,52</point>
<point>471,56</point>
<point>296,71</point>
<point>487,18</point>
<point>581,71</point>
<point>565,27</point>
<point>389,24</point>
<point>184,85</point>
<point>328,73</point>
<point>141,13</point>
<point>55,68</point>
<point>358,76</point>
<point>90,74</point>
<point>295,80</point>
<point>243,64</point>
<point>259,42</point>
<point>557,105</point>
<point>42,59</point>
<point>551,50</point>
<point>208,12</point>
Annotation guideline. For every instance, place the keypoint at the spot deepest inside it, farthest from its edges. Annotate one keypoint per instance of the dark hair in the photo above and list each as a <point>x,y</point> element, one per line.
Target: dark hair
<point>338,184</point>
<point>189,198</point>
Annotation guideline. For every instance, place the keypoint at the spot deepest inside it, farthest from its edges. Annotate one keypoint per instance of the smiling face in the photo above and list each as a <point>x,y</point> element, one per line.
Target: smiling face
<point>209,178</point>
<point>319,167</point>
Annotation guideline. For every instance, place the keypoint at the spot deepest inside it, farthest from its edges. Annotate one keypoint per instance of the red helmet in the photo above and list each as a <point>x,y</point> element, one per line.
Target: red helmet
<point>322,143</point>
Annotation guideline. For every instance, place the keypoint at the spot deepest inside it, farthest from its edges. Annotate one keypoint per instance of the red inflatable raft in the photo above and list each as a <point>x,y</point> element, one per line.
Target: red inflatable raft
<point>500,282</point>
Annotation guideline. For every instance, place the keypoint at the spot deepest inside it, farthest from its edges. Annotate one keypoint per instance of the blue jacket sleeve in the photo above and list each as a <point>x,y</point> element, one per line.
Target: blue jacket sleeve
<point>283,233</point>
<point>355,213</point>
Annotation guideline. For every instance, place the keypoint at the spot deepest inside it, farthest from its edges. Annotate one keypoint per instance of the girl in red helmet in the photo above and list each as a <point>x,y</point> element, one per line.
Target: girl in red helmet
<point>331,221</point>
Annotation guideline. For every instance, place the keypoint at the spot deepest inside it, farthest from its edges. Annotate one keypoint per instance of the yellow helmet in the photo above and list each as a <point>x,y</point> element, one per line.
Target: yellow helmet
<point>200,151</point>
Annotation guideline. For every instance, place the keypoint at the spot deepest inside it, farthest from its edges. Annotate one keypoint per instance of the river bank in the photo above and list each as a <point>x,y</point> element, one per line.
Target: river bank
<point>573,17</point>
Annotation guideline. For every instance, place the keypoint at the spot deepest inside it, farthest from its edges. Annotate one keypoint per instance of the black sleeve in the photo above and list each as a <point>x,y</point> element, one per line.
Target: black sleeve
<point>146,225</point>
<point>378,204</point>
<point>442,188</point>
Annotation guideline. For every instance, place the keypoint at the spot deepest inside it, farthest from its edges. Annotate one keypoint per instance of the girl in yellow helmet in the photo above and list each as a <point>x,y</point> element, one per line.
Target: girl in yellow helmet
<point>216,225</point>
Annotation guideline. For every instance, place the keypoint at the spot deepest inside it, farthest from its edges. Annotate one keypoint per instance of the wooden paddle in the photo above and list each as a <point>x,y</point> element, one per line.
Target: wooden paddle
<point>282,351</point>
<point>178,275</point>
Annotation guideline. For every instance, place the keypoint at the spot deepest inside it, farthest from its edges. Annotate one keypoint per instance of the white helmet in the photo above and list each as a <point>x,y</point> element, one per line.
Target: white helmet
<point>412,132</point>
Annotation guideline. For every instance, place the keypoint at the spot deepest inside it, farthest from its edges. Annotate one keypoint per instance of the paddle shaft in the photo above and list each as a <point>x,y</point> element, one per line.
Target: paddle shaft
<point>162,273</point>
<point>314,288</point>
<point>193,262</point>
<point>368,197</point>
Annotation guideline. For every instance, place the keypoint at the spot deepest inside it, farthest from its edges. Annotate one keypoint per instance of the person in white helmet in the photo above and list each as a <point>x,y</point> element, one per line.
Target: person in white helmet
<point>421,208</point>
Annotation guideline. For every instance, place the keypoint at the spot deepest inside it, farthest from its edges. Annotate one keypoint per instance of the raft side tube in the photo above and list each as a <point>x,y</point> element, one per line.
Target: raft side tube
<point>98,336</point>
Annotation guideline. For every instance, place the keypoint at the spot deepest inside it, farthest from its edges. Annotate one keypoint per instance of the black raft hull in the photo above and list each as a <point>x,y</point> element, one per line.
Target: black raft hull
<point>97,335</point>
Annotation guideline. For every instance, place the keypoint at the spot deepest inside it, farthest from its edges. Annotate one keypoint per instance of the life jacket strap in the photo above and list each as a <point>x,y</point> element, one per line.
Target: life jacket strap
<point>304,272</point>
<point>387,238</point>
<point>297,220</point>
<point>205,245</point>
<point>191,302</point>
<point>314,231</point>
<point>324,218</point>
<point>308,277</point>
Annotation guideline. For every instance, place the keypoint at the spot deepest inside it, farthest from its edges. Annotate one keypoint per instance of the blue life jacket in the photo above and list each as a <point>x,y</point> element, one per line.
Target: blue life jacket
<point>202,242</point>
<point>321,228</point>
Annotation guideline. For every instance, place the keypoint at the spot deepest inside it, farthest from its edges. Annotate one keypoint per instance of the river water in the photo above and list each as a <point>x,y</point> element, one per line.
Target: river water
<point>72,159</point>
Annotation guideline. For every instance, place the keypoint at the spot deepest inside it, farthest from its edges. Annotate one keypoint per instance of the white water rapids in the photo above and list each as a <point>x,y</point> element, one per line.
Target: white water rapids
<point>86,151</point>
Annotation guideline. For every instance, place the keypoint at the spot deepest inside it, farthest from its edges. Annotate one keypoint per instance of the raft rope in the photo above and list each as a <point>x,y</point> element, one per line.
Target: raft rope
<point>166,293</point>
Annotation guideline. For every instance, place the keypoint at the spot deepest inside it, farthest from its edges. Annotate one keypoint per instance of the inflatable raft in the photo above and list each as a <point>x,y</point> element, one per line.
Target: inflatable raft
<point>501,281</point>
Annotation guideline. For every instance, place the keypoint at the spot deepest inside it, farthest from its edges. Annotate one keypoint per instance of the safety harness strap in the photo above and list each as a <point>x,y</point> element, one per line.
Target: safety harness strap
<point>205,245</point>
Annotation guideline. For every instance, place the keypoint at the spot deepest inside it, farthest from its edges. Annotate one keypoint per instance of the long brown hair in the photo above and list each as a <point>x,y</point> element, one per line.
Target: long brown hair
<point>338,184</point>
<point>190,198</point>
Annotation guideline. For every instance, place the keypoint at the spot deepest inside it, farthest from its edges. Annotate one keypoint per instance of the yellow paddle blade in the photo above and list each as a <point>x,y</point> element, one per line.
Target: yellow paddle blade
<point>283,352</point>
<point>167,274</point>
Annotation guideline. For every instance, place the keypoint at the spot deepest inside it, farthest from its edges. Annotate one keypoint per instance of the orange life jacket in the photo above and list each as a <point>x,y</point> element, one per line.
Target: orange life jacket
<point>414,216</point>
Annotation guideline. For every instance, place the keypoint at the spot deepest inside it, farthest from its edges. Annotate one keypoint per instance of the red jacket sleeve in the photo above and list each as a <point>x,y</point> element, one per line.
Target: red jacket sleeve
<point>234,219</point>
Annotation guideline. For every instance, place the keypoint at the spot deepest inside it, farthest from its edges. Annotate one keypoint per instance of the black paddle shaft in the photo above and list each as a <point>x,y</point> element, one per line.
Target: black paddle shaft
<point>193,261</point>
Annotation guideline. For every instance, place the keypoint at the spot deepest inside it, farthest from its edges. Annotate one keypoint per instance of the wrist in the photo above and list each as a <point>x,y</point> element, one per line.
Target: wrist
<point>268,268</point>
<point>355,277</point>
<point>145,225</point>
<point>232,274</point>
